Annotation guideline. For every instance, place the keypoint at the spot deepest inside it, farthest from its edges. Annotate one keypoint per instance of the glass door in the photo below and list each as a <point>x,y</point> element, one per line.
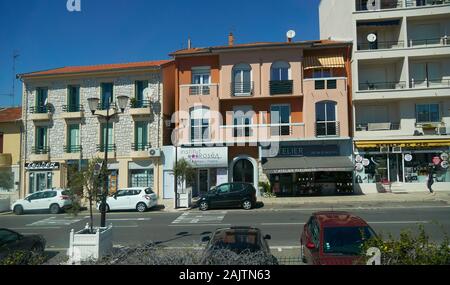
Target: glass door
<point>281,118</point>
<point>203,180</point>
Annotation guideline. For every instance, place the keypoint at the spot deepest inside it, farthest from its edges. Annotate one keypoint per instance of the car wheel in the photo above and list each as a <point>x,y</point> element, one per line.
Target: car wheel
<point>37,248</point>
<point>141,207</point>
<point>204,206</point>
<point>18,210</point>
<point>302,254</point>
<point>55,209</point>
<point>247,205</point>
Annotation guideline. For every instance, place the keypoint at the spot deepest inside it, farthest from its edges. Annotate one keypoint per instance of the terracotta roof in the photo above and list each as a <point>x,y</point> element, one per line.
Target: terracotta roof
<point>255,44</point>
<point>10,115</point>
<point>96,68</point>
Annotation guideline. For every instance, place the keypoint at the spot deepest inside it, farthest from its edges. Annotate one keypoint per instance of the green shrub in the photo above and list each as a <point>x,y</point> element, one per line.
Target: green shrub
<point>24,258</point>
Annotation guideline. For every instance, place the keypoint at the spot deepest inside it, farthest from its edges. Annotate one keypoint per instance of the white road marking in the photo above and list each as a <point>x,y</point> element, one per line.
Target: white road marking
<point>35,228</point>
<point>201,225</point>
<point>337,208</point>
<point>200,218</point>
<point>52,221</point>
<point>138,219</point>
<point>124,227</point>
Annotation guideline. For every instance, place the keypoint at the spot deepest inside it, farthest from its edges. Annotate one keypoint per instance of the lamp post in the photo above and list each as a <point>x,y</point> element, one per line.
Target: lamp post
<point>122,102</point>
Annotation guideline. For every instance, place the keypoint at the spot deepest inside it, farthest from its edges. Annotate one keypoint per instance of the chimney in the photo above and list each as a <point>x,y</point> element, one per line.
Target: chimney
<point>189,43</point>
<point>231,39</point>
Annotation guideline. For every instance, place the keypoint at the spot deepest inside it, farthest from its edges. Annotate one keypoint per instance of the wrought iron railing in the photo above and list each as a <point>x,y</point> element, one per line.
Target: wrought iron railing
<point>139,104</point>
<point>103,148</point>
<point>280,87</point>
<point>200,89</point>
<point>241,89</point>
<point>72,108</point>
<point>382,85</point>
<point>40,110</point>
<point>40,150</point>
<point>72,148</point>
<point>327,129</point>
<point>140,146</point>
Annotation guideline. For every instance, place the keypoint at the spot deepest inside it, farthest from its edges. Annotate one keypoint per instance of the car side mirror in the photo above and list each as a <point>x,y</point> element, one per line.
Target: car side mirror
<point>267,237</point>
<point>28,199</point>
<point>206,239</point>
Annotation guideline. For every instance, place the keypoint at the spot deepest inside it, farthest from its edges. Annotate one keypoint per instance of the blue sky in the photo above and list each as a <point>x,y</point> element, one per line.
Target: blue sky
<point>47,36</point>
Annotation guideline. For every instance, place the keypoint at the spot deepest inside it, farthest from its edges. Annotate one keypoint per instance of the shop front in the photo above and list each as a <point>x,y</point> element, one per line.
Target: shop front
<point>406,165</point>
<point>309,170</point>
<point>41,175</point>
<point>210,164</point>
<point>141,174</point>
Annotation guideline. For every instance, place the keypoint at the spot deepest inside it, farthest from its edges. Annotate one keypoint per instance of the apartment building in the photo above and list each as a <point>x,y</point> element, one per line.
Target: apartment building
<point>272,112</point>
<point>10,135</point>
<point>62,134</point>
<point>401,94</point>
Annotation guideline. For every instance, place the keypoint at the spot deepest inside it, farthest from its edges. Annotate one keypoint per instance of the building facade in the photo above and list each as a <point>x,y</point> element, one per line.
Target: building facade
<point>63,134</point>
<point>401,96</point>
<point>10,136</point>
<point>266,112</point>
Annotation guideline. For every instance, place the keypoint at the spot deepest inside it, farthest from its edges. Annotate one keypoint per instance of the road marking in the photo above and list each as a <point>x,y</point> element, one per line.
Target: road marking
<point>200,218</point>
<point>35,228</point>
<point>123,220</point>
<point>124,227</point>
<point>282,224</point>
<point>400,222</point>
<point>337,208</point>
<point>53,221</point>
<point>201,225</point>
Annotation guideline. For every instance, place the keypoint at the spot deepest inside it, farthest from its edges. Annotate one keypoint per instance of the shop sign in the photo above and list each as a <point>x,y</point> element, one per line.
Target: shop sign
<point>408,157</point>
<point>366,162</point>
<point>359,159</point>
<point>437,160</point>
<point>209,157</point>
<point>42,166</point>
<point>308,151</point>
<point>359,167</point>
<point>445,164</point>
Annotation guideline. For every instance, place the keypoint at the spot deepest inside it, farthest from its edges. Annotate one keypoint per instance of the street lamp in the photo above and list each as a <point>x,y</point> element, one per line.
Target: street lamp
<point>122,102</point>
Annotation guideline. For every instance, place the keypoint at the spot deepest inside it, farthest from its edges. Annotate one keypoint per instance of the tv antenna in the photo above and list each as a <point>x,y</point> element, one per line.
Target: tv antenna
<point>13,94</point>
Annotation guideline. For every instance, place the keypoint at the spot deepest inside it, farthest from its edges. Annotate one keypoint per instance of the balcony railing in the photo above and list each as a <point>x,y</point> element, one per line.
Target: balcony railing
<point>381,45</point>
<point>72,108</point>
<point>40,150</point>
<point>140,146</point>
<point>103,148</point>
<point>40,110</point>
<point>419,3</point>
<point>262,132</point>
<point>280,87</point>
<point>140,104</point>
<point>370,127</point>
<point>442,41</point>
<point>364,5</point>
<point>72,148</point>
<point>382,85</point>
<point>327,129</point>
<point>430,83</point>
<point>242,89</point>
<point>200,89</point>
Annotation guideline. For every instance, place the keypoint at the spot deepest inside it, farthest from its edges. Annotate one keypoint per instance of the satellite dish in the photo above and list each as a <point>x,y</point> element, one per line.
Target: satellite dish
<point>372,38</point>
<point>290,34</point>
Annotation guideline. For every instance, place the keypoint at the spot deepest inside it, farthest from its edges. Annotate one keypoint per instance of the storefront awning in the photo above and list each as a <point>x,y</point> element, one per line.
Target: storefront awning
<point>314,62</point>
<point>307,164</point>
<point>403,143</point>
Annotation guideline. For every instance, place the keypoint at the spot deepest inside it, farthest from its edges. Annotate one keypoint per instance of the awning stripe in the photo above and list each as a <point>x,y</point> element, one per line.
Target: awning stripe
<point>403,143</point>
<point>314,62</point>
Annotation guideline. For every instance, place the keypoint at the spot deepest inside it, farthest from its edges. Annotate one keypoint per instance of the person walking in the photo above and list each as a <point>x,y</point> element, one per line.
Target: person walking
<point>431,179</point>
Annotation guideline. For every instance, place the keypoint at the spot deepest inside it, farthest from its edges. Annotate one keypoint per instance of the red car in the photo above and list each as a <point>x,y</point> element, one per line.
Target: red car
<point>334,238</point>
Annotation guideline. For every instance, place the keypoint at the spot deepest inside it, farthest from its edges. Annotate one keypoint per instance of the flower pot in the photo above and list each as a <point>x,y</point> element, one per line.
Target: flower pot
<point>86,246</point>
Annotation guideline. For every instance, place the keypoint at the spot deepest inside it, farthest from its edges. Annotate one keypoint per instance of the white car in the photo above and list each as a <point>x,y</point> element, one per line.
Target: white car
<point>139,199</point>
<point>54,200</point>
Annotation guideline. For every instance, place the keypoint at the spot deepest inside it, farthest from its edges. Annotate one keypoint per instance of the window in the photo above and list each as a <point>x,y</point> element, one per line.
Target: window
<point>200,124</point>
<point>319,84</point>
<point>242,80</point>
<point>73,138</point>
<point>322,73</point>
<point>224,189</point>
<point>315,232</point>
<point>280,71</point>
<point>140,136</point>
<point>326,124</point>
<point>103,136</point>
<point>242,117</point>
<point>41,100</point>
<point>201,77</point>
<point>332,84</point>
<point>41,138</point>
<point>149,191</point>
<point>280,120</point>
<point>141,178</point>
<point>49,194</point>
<point>428,113</point>
<point>345,240</point>
<point>73,100</point>
<point>140,87</point>
<point>7,237</point>
<point>107,93</point>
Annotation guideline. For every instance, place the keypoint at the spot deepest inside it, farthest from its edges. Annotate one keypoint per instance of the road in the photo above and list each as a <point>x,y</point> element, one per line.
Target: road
<point>186,229</point>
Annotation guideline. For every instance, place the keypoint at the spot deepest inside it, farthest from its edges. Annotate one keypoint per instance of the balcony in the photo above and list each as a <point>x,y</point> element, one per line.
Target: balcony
<point>5,160</point>
<point>377,127</point>
<point>101,149</point>
<point>140,107</point>
<point>381,45</point>
<point>40,113</point>
<point>140,150</point>
<point>281,87</point>
<point>72,111</point>
<point>239,89</point>
<point>72,152</point>
<point>40,154</point>
<point>430,83</point>
<point>262,132</point>
<point>206,95</point>
<point>422,3</point>
<point>373,86</point>
<point>327,129</point>
<point>364,5</point>
<point>433,42</point>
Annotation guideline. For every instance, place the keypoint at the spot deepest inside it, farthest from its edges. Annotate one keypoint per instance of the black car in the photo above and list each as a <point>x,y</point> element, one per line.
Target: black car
<point>11,241</point>
<point>238,246</point>
<point>229,195</point>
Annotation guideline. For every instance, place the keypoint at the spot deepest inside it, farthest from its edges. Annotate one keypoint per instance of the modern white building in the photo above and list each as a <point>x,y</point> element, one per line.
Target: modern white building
<point>401,88</point>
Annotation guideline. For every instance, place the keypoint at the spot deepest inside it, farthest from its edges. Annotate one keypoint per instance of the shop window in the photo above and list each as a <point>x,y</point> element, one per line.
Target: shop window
<point>428,113</point>
<point>141,178</point>
<point>417,168</point>
<point>376,171</point>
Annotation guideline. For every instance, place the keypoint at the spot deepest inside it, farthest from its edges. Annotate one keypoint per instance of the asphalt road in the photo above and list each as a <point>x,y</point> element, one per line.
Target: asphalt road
<point>186,229</point>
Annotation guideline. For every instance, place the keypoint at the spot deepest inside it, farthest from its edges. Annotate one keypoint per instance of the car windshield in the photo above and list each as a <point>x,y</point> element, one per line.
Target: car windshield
<point>237,242</point>
<point>345,240</point>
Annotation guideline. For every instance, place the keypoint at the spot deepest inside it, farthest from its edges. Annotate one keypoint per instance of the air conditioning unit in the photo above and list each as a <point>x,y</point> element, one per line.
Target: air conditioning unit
<point>397,149</point>
<point>154,152</point>
<point>384,149</point>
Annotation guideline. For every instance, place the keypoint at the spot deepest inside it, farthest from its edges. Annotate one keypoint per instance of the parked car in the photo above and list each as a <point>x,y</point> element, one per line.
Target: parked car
<point>54,200</point>
<point>139,199</point>
<point>229,195</point>
<point>334,238</point>
<point>239,240</point>
<point>11,241</point>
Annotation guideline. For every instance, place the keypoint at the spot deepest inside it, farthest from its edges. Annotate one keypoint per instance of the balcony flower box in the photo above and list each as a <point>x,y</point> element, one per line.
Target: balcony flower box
<point>86,246</point>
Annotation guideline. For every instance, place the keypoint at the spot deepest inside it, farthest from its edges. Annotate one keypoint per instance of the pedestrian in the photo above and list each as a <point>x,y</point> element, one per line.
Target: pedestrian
<point>430,179</point>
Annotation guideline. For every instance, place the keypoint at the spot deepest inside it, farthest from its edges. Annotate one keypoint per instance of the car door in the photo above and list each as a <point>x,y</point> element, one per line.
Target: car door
<point>134,197</point>
<point>36,201</point>
<point>118,201</point>
<point>237,194</point>
<point>222,196</point>
<point>315,238</point>
<point>9,241</point>
<point>48,198</point>
<point>311,235</point>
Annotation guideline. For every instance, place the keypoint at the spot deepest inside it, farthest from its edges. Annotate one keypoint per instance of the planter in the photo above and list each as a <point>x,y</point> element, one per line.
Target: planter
<point>90,247</point>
